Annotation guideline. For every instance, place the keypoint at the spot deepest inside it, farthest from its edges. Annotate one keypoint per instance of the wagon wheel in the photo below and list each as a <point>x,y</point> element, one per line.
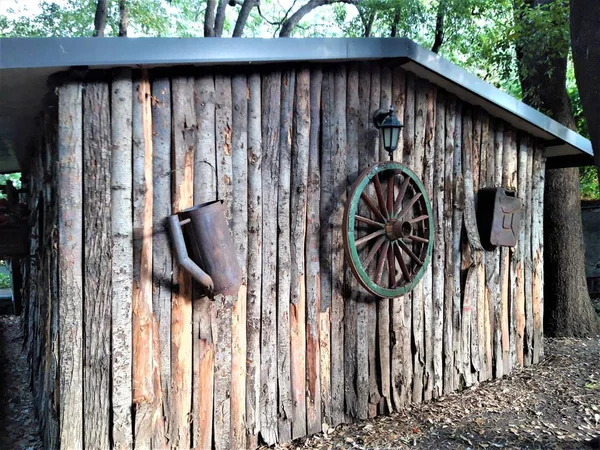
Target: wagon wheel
<point>388,229</point>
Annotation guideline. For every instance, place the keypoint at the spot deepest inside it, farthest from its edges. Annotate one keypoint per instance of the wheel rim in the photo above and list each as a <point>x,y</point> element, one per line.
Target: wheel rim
<point>388,229</point>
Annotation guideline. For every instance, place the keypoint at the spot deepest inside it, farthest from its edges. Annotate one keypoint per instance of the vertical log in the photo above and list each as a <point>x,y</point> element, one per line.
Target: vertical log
<point>497,279</point>
<point>271,99</point>
<point>122,251</point>
<point>184,139</point>
<point>70,264</point>
<point>408,160</point>
<point>205,190</point>
<point>527,259</point>
<point>337,249</point>
<point>427,282</point>
<point>364,140</point>
<point>352,298</point>
<point>417,293</point>
<point>537,249</point>
<point>512,302</point>
<point>383,304</point>
<point>254,262</point>
<point>457,225</point>
<point>222,309</point>
<point>97,264</point>
<point>520,251</point>
<point>162,264</point>
<point>239,88</point>
<point>450,124</point>
<point>484,305</point>
<point>438,260</point>
<point>313,277</point>
<point>284,256</point>
<point>300,161</point>
<point>371,153</point>
<point>326,210</point>
<point>398,332</point>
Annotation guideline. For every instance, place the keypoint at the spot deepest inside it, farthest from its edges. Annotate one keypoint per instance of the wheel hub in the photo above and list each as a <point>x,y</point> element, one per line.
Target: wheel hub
<point>398,229</point>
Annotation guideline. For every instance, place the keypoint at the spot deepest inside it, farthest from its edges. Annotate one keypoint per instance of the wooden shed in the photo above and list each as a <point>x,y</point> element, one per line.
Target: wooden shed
<point>115,135</point>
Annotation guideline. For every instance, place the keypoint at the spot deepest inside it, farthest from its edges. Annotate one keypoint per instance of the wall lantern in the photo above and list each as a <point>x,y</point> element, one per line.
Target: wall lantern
<point>388,123</point>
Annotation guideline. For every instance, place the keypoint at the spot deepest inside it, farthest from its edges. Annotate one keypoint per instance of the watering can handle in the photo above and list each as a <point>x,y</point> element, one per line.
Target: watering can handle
<point>182,254</point>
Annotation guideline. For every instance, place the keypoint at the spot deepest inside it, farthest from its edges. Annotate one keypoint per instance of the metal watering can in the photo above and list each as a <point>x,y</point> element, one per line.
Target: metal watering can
<point>213,262</point>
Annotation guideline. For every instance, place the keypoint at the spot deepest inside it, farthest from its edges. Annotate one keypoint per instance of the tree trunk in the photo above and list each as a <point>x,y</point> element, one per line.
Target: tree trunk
<point>543,74</point>
<point>123,18</point>
<point>290,23</point>
<point>242,18</point>
<point>585,43</point>
<point>100,18</point>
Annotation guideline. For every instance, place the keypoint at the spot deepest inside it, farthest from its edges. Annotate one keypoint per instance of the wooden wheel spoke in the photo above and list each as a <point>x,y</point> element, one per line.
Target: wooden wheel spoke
<point>380,262</point>
<point>368,237</point>
<point>403,267</point>
<point>401,193</point>
<point>391,267</point>
<point>369,221</point>
<point>372,206</point>
<point>414,238</point>
<point>379,192</point>
<point>378,243</point>
<point>409,252</point>
<point>418,219</point>
<point>390,195</point>
<point>409,205</point>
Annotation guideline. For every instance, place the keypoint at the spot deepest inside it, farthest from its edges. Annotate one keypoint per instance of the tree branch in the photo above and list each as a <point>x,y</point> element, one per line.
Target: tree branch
<point>240,23</point>
<point>290,23</point>
<point>220,18</point>
<point>395,22</point>
<point>209,18</point>
<point>439,29</point>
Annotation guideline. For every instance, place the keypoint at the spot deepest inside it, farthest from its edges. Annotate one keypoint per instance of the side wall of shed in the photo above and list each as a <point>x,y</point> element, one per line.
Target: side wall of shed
<point>301,344</point>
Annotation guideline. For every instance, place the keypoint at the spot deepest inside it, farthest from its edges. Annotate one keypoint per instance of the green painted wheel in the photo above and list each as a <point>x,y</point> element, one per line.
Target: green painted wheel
<point>388,229</point>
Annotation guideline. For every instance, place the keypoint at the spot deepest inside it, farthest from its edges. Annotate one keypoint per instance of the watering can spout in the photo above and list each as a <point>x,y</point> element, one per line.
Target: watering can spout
<point>212,261</point>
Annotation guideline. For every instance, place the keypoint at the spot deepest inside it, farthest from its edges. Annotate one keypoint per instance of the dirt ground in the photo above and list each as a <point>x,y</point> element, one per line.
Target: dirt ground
<point>554,405</point>
<point>18,423</point>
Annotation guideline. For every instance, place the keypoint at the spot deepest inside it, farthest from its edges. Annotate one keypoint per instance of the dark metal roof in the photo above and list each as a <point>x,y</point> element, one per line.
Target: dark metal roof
<point>25,64</point>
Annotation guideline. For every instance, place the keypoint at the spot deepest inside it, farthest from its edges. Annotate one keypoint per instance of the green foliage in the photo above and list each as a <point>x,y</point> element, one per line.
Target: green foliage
<point>5,282</point>
<point>14,177</point>
<point>588,177</point>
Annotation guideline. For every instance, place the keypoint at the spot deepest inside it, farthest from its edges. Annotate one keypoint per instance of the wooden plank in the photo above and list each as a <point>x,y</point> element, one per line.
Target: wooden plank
<point>477,332</point>
<point>97,265</point>
<point>505,264</point>
<point>371,153</point>
<point>417,293</point>
<point>537,249</point>
<point>298,218</point>
<point>383,304</point>
<point>122,251</point>
<point>271,99</point>
<point>184,140</point>
<point>205,190</point>
<point>162,263</point>
<point>222,312</point>
<point>491,257</point>
<point>427,282</point>
<point>239,145</point>
<point>408,160</point>
<point>512,302</point>
<point>439,253</point>
<point>527,222</point>
<point>397,304</point>
<point>70,264</point>
<point>313,273</point>
<point>457,224</point>
<point>326,208</point>
<point>520,251</point>
<point>449,317</point>
<point>496,277</point>
<point>255,218</point>
<point>352,298</point>
<point>284,257</point>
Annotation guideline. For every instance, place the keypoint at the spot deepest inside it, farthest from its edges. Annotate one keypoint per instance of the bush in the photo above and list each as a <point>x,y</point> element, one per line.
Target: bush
<point>5,281</point>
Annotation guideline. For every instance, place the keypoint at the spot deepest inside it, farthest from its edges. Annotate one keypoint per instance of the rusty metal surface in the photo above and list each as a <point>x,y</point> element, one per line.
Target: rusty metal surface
<point>211,259</point>
<point>498,217</point>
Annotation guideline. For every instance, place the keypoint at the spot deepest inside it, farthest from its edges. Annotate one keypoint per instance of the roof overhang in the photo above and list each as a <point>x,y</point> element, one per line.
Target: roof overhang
<point>26,64</point>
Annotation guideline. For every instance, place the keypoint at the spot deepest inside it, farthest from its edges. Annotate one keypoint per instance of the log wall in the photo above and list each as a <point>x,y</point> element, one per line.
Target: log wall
<point>301,344</point>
